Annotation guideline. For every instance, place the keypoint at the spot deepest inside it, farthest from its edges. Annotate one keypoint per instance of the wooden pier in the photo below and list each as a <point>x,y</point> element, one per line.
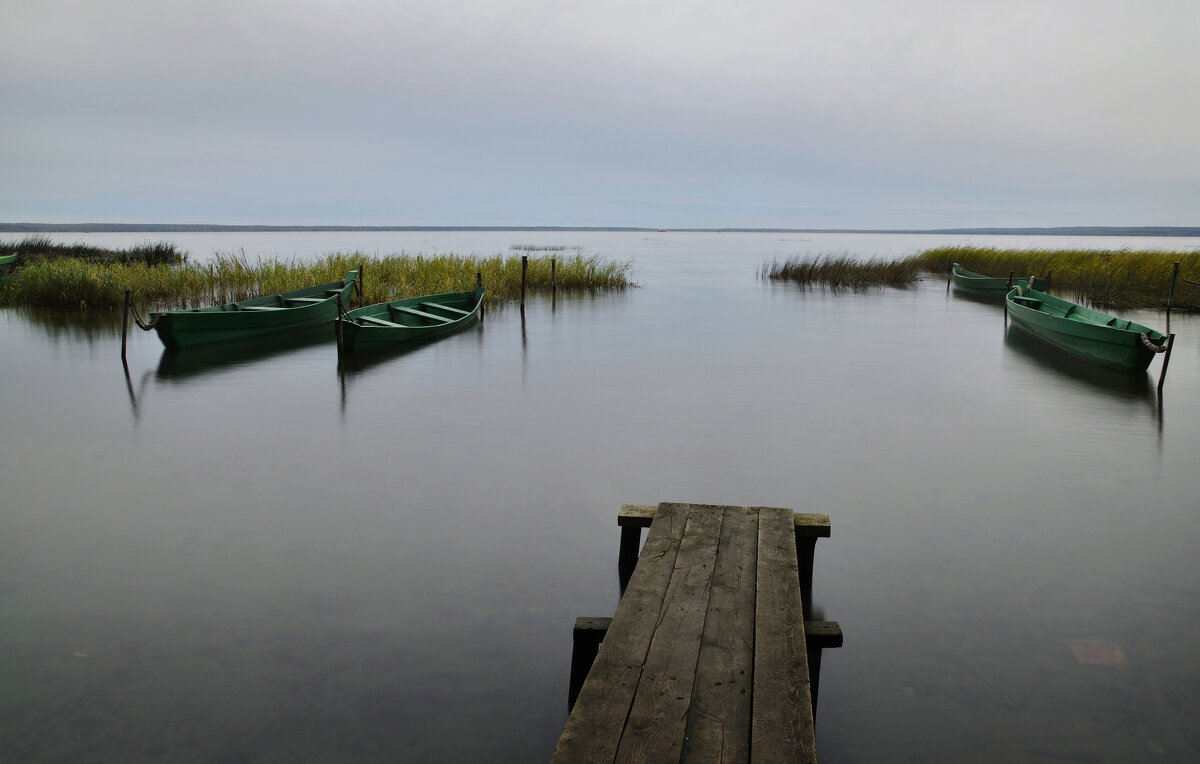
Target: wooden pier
<point>706,657</point>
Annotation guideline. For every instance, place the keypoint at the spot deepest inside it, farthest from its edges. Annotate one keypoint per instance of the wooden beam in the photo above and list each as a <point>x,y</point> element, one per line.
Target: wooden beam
<point>657,722</point>
<point>807,524</point>
<point>593,731</point>
<point>782,728</point>
<point>719,715</point>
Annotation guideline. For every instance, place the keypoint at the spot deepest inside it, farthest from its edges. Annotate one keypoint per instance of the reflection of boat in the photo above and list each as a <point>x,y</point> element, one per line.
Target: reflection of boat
<point>1042,356</point>
<point>177,365</point>
<point>273,314</point>
<point>1088,334</point>
<point>412,319</point>
<point>978,284</point>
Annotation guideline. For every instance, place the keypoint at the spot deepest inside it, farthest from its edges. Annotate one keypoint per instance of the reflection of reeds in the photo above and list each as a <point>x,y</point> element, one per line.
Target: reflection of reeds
<point>1106,278</point>
<point>843,272</point>
<point>231,277</point>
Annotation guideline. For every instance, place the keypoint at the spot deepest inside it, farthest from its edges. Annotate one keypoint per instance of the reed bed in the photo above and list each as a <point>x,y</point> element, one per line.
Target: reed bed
<point>544,248</point>
<point>34,247</point>
<point>1105,278</point>
<point>843,272</point>
<point>231,276</point>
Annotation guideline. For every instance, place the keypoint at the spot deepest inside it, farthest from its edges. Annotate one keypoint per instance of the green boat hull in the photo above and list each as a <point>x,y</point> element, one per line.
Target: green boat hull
<point>988,286</point>
<point>267,316</point>
<point>6,269</point>
<point>1084,333</point>
<point>414,319</point>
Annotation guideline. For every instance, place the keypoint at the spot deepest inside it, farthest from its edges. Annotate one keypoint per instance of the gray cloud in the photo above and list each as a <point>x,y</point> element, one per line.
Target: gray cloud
<point>602,113</point>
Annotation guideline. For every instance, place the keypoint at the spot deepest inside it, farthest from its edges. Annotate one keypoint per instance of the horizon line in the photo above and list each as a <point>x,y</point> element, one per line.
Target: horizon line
<point>1181,231</point>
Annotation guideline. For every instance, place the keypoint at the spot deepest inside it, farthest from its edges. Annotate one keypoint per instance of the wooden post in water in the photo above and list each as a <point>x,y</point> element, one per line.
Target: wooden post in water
<point>479,283</point>
<point>524,268</point>
<point>125,321</point>
<point>553,275</point>
<point>339,325</point>
<point>1162,375</point>
<point>1010,278</point>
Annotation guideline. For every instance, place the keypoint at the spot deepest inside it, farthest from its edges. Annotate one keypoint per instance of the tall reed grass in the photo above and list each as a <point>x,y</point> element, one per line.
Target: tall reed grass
<point>231,276</point>
<point>1106,278</point>
<point>842,272</point>
<point>34,247</point>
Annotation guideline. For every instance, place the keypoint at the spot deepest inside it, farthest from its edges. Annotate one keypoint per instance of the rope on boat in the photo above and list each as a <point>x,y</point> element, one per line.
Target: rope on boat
<point>1149,343</point>
<point>145,326</point>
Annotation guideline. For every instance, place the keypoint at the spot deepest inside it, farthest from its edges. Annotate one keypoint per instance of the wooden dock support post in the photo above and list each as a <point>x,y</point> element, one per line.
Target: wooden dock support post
<point>808,527</point>
<point>585,643</point>
<point>819,635</point>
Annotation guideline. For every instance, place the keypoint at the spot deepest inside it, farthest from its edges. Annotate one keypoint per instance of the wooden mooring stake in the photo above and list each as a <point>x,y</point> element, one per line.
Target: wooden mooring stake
<point>524,269</point>
<point>125,321</point>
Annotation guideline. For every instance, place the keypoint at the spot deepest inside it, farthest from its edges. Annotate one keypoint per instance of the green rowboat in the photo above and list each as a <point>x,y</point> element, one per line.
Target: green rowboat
<point>385,324</point>
<point>1088,334</point>
<point>258,317</point>
<point>6,268</point>
<point>978,284</point>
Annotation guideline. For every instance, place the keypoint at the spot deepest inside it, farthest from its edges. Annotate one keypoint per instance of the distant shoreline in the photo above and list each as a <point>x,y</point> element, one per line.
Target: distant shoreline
<point>1168,231</point>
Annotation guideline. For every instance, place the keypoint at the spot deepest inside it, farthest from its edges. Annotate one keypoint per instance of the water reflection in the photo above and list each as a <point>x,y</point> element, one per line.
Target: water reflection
<point>1124,385</point>
<point>180,364</point>
<point>72,323</point>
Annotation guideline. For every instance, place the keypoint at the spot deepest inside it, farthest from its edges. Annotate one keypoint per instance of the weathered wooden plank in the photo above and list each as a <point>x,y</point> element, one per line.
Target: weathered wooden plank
<point>808,524</point>
<point>811,524</point>
<point>656,725</point>
<point>636,515</point>
<point>594,728</point>
<point>782,724</point>
<point>718,721</point>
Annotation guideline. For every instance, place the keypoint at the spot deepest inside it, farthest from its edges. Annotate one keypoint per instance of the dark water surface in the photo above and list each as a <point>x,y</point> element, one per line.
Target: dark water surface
<point>255,558</point>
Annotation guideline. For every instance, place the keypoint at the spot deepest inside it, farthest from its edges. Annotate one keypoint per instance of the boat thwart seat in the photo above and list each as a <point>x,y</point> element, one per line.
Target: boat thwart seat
<point>456,311</point>
<point>379,321</point>
<point>307,299</point>
<point>260,307</point>
<point>422,314</point>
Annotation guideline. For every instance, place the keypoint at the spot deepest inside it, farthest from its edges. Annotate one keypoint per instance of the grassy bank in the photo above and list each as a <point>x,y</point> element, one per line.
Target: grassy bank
<point>1105,278</point>
<point>843,272</point>
<point>229,277</point>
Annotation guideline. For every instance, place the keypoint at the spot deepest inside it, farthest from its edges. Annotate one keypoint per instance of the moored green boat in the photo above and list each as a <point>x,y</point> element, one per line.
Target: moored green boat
<point>414,318</point>
<point>1082,332</point>
<point>978,284</point>
<point>257,317</point>
<point>6,268</point>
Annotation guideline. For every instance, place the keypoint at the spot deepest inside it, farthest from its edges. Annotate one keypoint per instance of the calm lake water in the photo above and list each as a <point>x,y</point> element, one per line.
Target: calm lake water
<point>255,558</point>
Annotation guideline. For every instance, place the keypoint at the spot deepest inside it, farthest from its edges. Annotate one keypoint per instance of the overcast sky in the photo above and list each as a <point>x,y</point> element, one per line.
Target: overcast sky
<point>749,113</point>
